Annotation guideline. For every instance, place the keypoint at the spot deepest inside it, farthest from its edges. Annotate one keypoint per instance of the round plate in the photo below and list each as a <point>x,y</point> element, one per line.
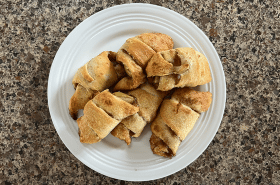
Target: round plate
<point>108,30</point>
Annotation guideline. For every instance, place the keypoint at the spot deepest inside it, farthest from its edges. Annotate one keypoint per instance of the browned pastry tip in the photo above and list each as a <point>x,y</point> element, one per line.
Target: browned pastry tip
<point>157,41</point>
<point>122,132</point>
<point>196,100</point>
<point>86,134</point>
<point>79,100</point>
<point>159,147</point>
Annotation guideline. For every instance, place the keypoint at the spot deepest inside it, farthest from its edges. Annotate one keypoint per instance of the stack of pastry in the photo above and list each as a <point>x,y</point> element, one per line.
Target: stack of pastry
<point>146,81</point>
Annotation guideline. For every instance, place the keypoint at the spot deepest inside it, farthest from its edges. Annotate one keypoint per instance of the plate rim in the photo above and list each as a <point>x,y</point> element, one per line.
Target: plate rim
<point>139,5</point>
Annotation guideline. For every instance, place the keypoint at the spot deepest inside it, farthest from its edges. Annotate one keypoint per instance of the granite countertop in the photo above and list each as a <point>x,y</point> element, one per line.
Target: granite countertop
<point>246,147</point>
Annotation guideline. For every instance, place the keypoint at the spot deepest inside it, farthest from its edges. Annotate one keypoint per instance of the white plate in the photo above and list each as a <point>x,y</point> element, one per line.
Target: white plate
<point>108,30</point>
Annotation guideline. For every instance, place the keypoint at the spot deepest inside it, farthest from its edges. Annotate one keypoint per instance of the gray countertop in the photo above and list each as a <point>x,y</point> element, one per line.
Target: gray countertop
<point>246,146</point>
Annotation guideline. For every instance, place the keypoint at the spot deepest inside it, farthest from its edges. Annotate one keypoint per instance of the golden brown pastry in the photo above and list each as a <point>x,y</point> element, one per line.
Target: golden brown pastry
<point>196,100</point>
<point>180,67</point>
<point>148,100</point>
<point>101,115</point>
<point>135,54</point>
<point>176,119</point>
<point>79,100</point>
<point>96,75</point>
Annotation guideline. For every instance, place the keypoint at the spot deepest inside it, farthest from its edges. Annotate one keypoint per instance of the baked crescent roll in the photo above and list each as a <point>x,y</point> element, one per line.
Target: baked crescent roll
<point>96,75</point>
<point>101,115</point>
<point>176,119</point>
<point>135,54</point>
<point>180,67</point>
<point>148,100</point>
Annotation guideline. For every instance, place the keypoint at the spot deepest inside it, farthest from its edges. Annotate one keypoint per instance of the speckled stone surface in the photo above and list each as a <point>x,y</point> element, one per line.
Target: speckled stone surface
<point>244,151</point>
